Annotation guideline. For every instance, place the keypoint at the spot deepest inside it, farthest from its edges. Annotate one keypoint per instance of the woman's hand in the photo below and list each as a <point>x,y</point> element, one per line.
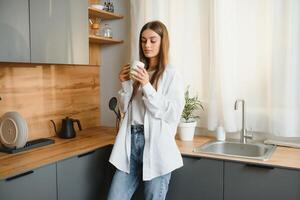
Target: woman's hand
<point>141,75</point>
<point>124,73</point>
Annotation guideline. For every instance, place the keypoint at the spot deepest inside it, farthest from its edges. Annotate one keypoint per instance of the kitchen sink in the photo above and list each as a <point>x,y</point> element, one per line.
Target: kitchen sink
<point>257,151</point>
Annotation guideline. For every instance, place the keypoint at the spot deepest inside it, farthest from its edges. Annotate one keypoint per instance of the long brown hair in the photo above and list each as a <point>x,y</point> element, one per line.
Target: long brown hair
<point>163,55</point>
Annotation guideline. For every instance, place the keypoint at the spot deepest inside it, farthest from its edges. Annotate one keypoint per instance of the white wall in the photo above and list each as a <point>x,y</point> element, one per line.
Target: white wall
<point>112,57</point>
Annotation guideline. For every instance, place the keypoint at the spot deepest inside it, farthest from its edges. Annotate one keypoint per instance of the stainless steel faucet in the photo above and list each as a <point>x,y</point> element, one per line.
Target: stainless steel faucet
<point>244,136</point>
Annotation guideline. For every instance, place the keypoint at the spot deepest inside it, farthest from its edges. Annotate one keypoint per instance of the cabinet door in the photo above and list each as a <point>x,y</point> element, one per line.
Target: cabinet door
<point>35,184</point>
<point>14,31</point>
<point>59,31</point>
<point>248,182</point>
<point>199,178</point>
<point>86,176</point>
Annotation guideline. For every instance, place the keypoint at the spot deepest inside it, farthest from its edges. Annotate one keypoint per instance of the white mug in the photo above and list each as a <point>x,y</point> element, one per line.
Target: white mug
<point>134,65</point>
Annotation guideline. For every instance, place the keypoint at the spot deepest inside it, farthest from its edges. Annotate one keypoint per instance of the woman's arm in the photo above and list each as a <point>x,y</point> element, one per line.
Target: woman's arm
<point>126,91</point>
<point>125,95</point>
<point>167,107</point>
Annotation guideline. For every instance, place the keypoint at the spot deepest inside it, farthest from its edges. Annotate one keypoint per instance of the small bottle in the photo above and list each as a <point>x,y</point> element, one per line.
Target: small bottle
<point>105,6</point>
<point>109,6</point>
<point>112,9</point>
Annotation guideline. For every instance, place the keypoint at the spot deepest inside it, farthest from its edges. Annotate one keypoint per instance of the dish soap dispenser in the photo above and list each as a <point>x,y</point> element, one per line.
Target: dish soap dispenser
<point>220,133</point>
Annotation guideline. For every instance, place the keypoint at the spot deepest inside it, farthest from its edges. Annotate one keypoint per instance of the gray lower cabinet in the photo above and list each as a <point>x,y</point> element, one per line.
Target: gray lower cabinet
<point>38,183</point>
<point>199,178</point>
<point>59,31</point>
<point>248,182</point>
<point>86,176</point>
<point>89,175</point>
<point>14,31</point>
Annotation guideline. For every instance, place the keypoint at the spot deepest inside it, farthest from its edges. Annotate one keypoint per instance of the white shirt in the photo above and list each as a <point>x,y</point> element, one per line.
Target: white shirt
<point>138,106</point>
<point>162,115</point>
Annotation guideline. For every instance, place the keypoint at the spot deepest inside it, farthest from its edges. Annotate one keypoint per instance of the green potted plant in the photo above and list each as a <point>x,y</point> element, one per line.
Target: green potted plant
<point>187,125</point>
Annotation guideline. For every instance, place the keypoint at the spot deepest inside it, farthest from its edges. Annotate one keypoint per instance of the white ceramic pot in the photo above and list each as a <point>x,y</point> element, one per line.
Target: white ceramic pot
<point>186,130</point>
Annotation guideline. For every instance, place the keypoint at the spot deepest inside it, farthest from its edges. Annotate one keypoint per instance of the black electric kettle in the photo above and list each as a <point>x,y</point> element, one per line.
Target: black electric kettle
<point>67,129</point>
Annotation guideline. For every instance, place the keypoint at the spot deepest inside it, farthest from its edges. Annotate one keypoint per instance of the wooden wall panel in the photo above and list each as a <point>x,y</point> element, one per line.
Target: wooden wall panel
<point>94,56</point>
<point>94,48</point>
<point>43,92</point>
<point>94,1</point>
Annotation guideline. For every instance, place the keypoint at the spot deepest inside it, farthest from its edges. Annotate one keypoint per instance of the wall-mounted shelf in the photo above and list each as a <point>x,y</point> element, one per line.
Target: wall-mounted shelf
<point>94,12</point>
<point>97,42</point>
<point>103,40</point>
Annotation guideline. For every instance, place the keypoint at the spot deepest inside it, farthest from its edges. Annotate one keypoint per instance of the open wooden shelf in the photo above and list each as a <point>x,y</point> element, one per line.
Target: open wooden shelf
<point>103,40</point>
<point>97,42</point>
<point>94,12</point>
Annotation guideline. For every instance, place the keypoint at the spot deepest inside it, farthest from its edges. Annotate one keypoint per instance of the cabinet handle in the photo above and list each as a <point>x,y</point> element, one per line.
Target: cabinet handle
<point>192,156</point>
<point>260,166</point>
<point>85,154</point>
<point>19,175</point>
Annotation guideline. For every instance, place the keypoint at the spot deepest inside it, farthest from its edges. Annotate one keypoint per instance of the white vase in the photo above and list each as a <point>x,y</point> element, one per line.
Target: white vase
<point>186,130</point>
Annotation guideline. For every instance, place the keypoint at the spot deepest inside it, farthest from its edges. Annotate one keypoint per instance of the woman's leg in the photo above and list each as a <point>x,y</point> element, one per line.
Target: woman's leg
<point>157,188</point>
<point>123,184</point>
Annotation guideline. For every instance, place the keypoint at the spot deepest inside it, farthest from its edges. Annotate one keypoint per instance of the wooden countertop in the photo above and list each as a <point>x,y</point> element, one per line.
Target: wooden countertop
<point>93,138</point>
<point>85,141</point>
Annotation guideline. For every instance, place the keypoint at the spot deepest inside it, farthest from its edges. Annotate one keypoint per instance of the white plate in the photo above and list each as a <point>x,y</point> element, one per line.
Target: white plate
<point>97,6</point>
<point>23,135</point>
<point>13,130</point>
<point>8,132</point>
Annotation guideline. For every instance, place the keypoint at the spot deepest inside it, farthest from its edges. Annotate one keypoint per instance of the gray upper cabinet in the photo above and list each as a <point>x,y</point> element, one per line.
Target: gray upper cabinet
<point>59,31</point>
<point>14,31</point>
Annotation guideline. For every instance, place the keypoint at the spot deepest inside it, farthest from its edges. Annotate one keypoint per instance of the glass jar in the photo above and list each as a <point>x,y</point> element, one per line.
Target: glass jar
<point>106,31</point>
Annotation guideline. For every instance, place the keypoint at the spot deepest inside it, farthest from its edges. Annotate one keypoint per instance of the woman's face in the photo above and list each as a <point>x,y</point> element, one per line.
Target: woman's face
<point>150,43</point>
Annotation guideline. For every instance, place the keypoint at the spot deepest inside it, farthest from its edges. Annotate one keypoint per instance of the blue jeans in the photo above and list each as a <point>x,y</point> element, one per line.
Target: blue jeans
<point>124,185</point>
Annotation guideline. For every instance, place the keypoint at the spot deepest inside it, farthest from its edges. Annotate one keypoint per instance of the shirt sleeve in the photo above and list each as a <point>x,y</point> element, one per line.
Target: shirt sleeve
<point>125,95</point>
<point>167,107</point>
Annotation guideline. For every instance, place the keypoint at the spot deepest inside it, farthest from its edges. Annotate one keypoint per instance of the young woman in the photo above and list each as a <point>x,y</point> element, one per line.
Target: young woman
<point>145,147</point>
